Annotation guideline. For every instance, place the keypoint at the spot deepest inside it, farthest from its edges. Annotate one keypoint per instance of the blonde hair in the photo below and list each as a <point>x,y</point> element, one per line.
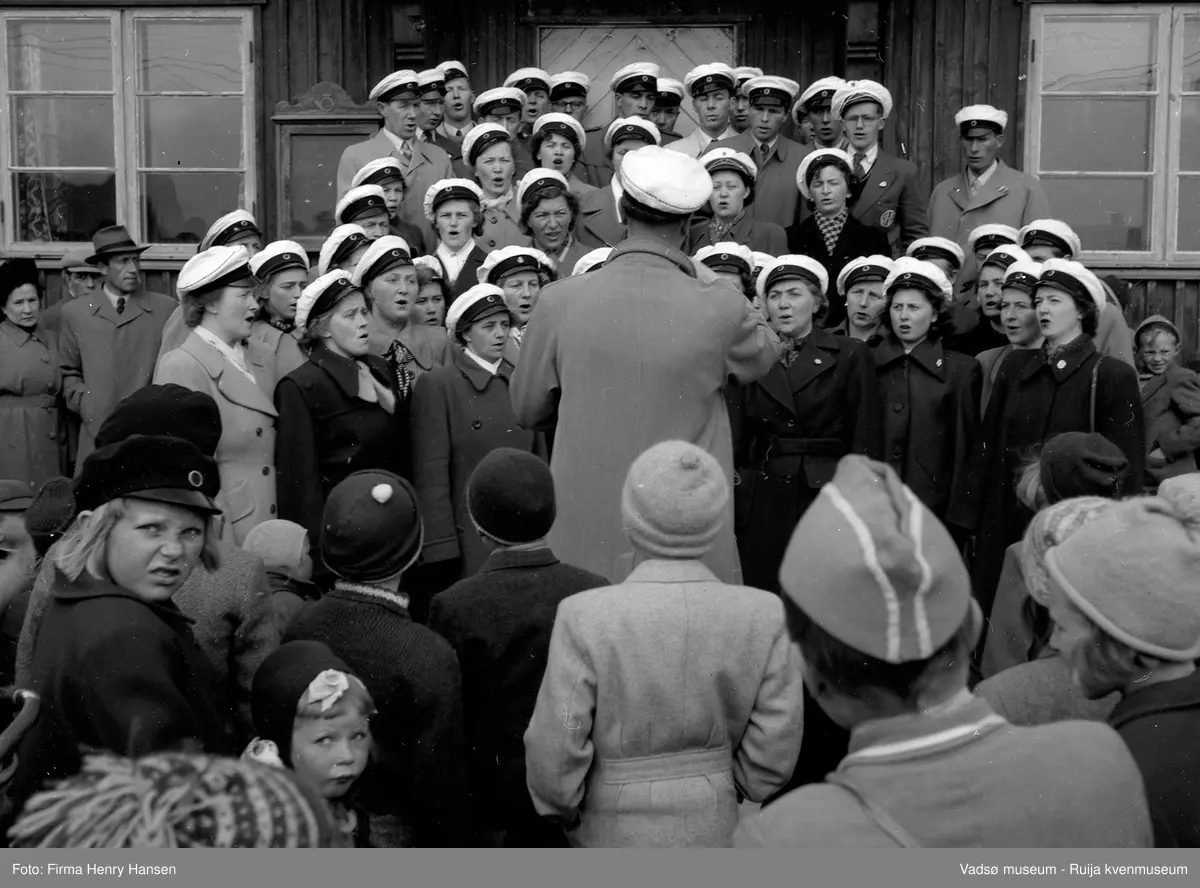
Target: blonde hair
<point>85,544</point>
<point>1029,490</point>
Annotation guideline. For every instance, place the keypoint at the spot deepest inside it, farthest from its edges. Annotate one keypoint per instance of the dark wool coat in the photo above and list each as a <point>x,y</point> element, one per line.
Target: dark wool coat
<point>115,672</point>
<point>890,199</point>
<point>855,240</point>
<point>468,277</point>
<point>413,676</point>
<point>460,414</point>
<point>1159,724</point>
<point>499,623</point>
<point>930,417</point>
<point>760,236</point>
<point>598,225</point>
<point>790,429</point>
<point>1034,399</point>
<point>326,432</point>
<point>413,236</point>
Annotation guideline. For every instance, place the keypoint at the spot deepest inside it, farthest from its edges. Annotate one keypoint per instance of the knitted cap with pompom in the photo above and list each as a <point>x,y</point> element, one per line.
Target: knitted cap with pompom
<point>674,500</point>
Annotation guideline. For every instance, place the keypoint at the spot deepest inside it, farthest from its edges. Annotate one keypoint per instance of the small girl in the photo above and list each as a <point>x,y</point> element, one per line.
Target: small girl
<point>284,548</point>
<point>313,716</point>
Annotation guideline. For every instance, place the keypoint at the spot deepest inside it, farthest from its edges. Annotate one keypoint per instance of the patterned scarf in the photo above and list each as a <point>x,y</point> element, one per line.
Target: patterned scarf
<point>790,349</point>
<point>282,325</point>
<point>491,203</point>
<point>401,360</point>
<point>516,333</point>
<point>718,230</point>
<point>831,227</point>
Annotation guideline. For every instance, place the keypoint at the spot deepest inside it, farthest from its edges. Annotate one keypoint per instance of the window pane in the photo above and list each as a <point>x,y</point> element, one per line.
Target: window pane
<point>312,181</point>
<point>59,55</point>
<point>1191,54</point>
<point>63,131</point>
<point>1097,135</point>
<point>179,207</point>
<point>1107,214</point>
<point>63,206</point>
<point>1189,137</point>
<point>203,55</point>
<point>1099,54</point>
<point>1189,214</point>
<point>192,131</point>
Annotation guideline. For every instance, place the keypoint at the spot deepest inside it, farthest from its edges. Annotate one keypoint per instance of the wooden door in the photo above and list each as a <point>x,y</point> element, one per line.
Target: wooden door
<point>600,51</point>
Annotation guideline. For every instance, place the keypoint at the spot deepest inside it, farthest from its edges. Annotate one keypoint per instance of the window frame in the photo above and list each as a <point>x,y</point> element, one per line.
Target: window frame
<point>126,121</point>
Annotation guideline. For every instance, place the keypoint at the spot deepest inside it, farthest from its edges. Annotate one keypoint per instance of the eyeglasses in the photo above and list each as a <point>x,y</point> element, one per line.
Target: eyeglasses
<point>571,105</point>
<point>859,118</point>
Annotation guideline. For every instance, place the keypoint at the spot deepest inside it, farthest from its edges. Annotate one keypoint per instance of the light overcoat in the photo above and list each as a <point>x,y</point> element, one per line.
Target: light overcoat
<point>776,197</point>
<point>1009,197</point>
<point>29,399</point>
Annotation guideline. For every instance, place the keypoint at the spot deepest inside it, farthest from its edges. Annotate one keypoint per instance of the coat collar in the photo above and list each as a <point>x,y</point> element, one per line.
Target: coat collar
<point>1153,386</point>
<point>1065,363</point>
<point>19,336</point>
<point>477,375</point>
<point>232,384</point>
<point>1166,696</point>
<point>640,247</point>
<point>997,185</point>
<point>904,736</point>
<point>87,587</point>
<point>663,570</point>
<point>817,356</point>
<point>362,593</point>
<point>882,174</point>
<point>136,304</point>
<point>420,150</point>
<point>516,559</point>
<point>931,356</point>
<point>344,372</point>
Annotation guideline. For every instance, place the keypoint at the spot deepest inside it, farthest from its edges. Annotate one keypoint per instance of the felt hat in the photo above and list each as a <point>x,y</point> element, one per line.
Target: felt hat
<point>569,84</point>
<point>1075,279</point>
<point>730,159</point>
<point>453,70</point>
<point>794,266</point>
<point>479,302</point>
<point>1004,256</point>
<point>382,256</point>
<point>537,180</point>
<point>280,682</point>
<point>674,500</point>
<point>445,190</point>
<point>925,276</point>
<point>481,137</point>
<point>1022,275</point>
<point>1082,464</point>
<point>360,202</point>
<point>76,260</point>
<point>1049,528</point>
<point>624,128</point>
<point>151,467</point>
<point>510,496</point>
<point>500,263</point>
<point>856,91</point>
<point>278,256</point>
<point>864,268</point>
<point>322,296</point>
<point>639,75</point>
<point>815,160</point>
<point>431,81</point>
<point>378,172</point>
<point>171,410</point>
<point>744,73</point>
<point>397,85</point>
<point>214,268</point>
<point>340,246</point>
<point>727,256</point>
<point>819,94</point>
<point>926,248</point>
<point>706,78</point>
<point>591,260</point>
<point>15,496</point>
<point>230,228</point>
<point>771,90</point>
<point>502,100</point>
<point>371,527</point>
<point>1132,571</point>
<point>18,272</point>
<point>975,117</point>
<point>1052,233</point>
<point>113,240</point>
<point>664,180</point>
<point>873,567</point>
<point>670,93</point>
<point>529,79</point>
<point>563,125</point>
<point>992,235</point>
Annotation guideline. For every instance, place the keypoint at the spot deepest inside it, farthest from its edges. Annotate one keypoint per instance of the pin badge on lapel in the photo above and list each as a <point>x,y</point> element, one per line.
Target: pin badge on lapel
<point>939,362</point>
<point>886,218</point>
<point>1061,364</point>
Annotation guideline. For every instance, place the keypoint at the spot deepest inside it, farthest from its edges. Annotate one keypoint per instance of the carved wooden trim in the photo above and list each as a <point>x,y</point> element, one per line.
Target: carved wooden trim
<point>326,99</point>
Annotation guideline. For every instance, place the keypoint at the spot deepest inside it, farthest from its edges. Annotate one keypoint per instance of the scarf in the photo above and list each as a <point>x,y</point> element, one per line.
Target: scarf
<point>282,325</point>
<point>831,227</point>
<point>516,334</point>
<point>790,349</point>
<point>401,360</point>
<point>492,203</point>
<point>1077,344</point>
<point>718,230</point>
<point>372,390</point>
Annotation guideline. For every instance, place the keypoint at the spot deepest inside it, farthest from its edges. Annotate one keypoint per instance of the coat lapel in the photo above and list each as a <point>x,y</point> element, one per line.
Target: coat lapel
<point>776,384</point>
<point>817,356</point>
<point>881,175</point>
<point>234,386</point>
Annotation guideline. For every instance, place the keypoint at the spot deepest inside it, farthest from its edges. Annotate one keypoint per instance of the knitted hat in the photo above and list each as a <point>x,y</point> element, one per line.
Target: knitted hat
<point>50,513</point>
<point>674,500</point>
<point>278,543</point>
<point>1049,528</point>
<point>510,496</point>
<point>1082,464</point>
<point>1133,572</point>
<point>279,683</point>
<point>371,528</point>
<point>872,566</point>
<point>174,800</point>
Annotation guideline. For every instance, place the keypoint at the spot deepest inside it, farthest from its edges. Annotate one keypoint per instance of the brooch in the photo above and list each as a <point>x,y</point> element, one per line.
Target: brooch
<point>1003,189</point>
<point>939,362</point>
<point>1061,364</point>
<point>883,184</point>
<point>816,360</point>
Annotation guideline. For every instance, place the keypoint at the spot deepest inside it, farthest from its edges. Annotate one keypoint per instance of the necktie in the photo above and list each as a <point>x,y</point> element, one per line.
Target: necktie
<point>458,134</point>
<point>121,305</point>
<point>859,172</point>
<point>406,153</point>
<point>764,151</point>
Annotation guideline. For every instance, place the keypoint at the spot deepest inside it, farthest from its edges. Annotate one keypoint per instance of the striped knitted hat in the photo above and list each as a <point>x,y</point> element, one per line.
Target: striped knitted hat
<point>872,566</point>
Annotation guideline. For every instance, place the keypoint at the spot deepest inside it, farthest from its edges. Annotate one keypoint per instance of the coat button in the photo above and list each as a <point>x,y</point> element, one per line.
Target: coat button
<point>791,423</point>
<point>898,406</point>
<point>45,359</point>
<point>787,479</point>
<point>896,453</point>
<point>763,474</point>
<point>258,432</point>
<point>266,470</point>
<point>476,424</point>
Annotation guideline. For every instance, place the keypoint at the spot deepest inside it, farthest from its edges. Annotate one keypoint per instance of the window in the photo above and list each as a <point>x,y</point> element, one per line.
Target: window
<point>143,118</point>
<point>1113,127</point>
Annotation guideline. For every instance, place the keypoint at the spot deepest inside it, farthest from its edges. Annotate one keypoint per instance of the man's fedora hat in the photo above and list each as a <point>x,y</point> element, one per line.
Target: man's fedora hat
<point>111,241</point>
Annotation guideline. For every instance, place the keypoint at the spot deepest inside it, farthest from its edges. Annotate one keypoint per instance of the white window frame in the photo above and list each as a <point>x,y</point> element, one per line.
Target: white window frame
<point>126,132</point>
<point>1166,132</point>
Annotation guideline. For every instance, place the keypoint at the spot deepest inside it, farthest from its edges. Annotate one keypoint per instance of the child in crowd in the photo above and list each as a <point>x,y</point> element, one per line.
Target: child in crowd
<point>1170,401</point>
<point>313,716</point>
<point>283,547</point>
